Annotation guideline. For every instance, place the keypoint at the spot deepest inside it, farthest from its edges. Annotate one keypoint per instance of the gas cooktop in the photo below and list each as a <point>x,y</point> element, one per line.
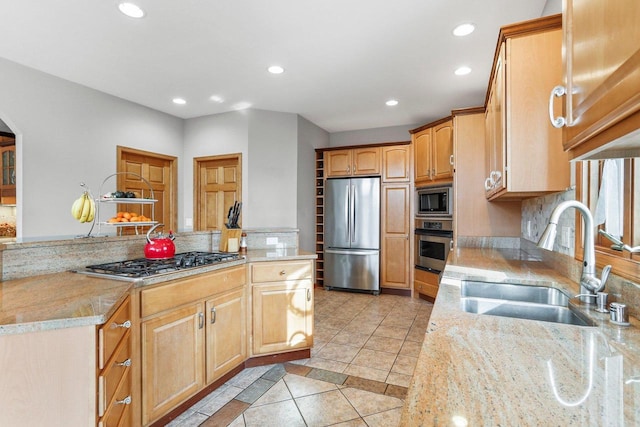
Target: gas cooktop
<point>143,267</point>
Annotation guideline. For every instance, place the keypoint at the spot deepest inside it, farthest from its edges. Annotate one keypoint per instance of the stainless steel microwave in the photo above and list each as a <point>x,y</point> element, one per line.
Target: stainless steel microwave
<point>434,201</point>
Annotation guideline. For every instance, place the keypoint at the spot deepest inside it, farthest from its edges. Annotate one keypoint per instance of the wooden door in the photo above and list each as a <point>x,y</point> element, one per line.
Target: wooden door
<point>226,336</point>
<point>396,163</point>
<point>218,184</point>
<point>366,161</point>
<point>338,163</point>
<point>282,316</point>
<point>441,158</point>
<point>602,69</point>
<point>422,143</point>
<point>396,228</point>
<point>172,360</point>
<point>160,173</point>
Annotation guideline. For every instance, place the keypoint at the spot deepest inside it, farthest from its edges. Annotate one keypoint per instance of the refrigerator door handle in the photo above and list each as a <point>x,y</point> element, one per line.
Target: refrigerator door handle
<point>351,251</point>
<point>346,212</point>
<point>353,213</point>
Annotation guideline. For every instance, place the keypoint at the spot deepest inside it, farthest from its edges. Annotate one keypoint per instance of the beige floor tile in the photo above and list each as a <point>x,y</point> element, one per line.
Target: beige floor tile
<point>245,378</point>
<point>388,345</point>
<point>331,322</point>
<point>398,379</point>
<point>339,352</point>
<point>367,373</point>
<point>274,415</point>
<point>391,332</point>
<point>368,403</point>
<point>398,322</point>
<point>302,386</point>
<point>389,418</point>
<point>361,328</point>
<point>329,365</point>
<point>353,423</point>
<point>324,334</point>
<point>239,422</point>
<point>415,334</point>
<point>277,393</point>
<point>404,365</point>
<point>352,339</point>
<point>326,408</point>
<point>410,348</point>
<point>374,359</point>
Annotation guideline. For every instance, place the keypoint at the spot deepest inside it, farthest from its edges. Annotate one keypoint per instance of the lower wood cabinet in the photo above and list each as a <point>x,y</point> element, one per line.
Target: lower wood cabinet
<point>426,283</point>
<point>282,306</point>
<point>395,242</point>
<point>193,331</point>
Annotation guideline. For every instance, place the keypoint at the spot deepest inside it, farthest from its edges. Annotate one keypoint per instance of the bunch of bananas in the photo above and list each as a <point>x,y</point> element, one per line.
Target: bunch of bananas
<point>84,208</point>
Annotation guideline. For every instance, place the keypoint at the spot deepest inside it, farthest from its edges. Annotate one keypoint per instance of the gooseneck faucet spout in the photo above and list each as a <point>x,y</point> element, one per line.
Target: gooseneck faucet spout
<point>589,282</point>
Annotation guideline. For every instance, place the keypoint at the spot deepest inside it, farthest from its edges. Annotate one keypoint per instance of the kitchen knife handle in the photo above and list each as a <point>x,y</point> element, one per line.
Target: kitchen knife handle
<point>213,315</point>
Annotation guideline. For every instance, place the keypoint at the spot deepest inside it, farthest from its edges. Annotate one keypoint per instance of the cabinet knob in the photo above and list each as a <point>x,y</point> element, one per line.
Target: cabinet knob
<point>126,363</point>
<point>451,160</point>
<point>282,273</point>
<point>556,92</point>
<point>125,401</point>
<point>126,324</point>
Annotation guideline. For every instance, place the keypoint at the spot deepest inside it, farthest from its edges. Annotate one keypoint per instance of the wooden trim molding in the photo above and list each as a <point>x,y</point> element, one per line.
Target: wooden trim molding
<point>350,147</point>
<point>432,124</point>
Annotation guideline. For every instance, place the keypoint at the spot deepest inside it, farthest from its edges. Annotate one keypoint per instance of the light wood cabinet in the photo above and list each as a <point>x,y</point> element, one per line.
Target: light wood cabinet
<point>282,306</point>
<point>353,162</point>
<point>602,76</point>
<point>524,155</point>
<point>193,331</point>
<point>396,229</point>
<point>396,163</point>
<point>426,283</point>
<point>433,146</point>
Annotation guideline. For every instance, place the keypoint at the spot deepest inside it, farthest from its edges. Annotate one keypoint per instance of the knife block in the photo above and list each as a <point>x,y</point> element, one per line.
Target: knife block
<point>226,234</point>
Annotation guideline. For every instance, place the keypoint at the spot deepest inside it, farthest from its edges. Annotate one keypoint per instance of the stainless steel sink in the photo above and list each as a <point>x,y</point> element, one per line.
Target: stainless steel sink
<point>520,301</point>
<point>525,310</point>
<point>514,292</point>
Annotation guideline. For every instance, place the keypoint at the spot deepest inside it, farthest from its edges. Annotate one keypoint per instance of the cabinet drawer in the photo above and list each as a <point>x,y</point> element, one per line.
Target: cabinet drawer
<point>118,413</point>
<point>113,374</point>
<point>280,271</point>
<point>110,334</point>
<point>183,291</point>
<point>426,283</point>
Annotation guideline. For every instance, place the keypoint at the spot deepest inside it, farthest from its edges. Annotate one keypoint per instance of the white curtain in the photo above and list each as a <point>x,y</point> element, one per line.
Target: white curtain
<point>610,205</point>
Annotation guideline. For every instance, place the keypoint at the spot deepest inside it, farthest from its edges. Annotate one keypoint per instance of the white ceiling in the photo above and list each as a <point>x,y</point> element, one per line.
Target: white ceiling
<point>343,58</point>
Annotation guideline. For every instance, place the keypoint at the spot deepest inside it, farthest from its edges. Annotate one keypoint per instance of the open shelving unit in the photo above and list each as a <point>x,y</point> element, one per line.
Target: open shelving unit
<point>320,217</point>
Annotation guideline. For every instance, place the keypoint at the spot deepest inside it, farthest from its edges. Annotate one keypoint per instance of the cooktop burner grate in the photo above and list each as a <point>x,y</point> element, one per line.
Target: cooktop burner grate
<point>143,267</point>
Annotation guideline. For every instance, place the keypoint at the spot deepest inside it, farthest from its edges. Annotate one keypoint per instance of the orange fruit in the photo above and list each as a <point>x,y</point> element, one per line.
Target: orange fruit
<point>119,214</point>
<point>112,220</point>
<point>126,215</point>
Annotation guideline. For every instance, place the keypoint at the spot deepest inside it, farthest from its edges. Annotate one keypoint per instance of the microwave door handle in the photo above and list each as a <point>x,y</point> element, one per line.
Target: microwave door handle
<point>353,216</point>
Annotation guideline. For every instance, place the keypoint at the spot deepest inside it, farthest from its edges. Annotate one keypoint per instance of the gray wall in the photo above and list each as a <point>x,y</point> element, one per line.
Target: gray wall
<point>310,137</point>
<point>371,136</point>
<point>66,134</point>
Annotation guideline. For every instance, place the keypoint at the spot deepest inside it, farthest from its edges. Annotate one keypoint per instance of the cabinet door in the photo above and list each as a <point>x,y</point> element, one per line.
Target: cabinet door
<point>498,144</point>
<point>396,164</point>
<point>172,360</point>
<point>442,154</point>
<point>226,339</point>
<point>338,163</point>
<point>395,255</point>
<point>282,316</point>
<point>422,146</point>
<point>366,161</point>
<point>602,66</point>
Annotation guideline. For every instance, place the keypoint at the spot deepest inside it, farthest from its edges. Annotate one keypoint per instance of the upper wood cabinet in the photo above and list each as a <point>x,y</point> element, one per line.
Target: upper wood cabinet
<point>433,145</point>
<point>524,152</point>
<point>602,76</point>
<point>353,162</point>
<point>396,163</point>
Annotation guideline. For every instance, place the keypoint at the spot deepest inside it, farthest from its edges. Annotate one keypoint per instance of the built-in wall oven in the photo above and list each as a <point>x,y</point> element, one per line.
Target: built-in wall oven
<point>434,241</point>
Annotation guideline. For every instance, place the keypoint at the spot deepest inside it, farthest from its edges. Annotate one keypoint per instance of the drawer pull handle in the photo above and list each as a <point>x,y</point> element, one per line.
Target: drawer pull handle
<point>213,315</point>
<point>282,273</point>
<point>125,401</point>
<point>126,363</point>
<point>308,294</point>
<point>126,324</point>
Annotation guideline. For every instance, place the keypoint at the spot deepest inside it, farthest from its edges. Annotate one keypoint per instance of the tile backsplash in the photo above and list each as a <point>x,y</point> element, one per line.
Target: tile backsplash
<point>535,217</point>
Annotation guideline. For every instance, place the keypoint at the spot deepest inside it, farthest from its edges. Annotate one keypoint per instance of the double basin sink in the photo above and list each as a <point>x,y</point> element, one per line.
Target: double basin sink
<point>542,303</point>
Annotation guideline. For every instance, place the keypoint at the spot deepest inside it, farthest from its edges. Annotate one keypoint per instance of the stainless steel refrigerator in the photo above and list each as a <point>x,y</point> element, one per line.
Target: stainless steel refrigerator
<point>352,234</point>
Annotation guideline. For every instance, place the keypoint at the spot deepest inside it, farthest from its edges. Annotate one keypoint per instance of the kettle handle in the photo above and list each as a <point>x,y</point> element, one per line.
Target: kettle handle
<point>151,231</point>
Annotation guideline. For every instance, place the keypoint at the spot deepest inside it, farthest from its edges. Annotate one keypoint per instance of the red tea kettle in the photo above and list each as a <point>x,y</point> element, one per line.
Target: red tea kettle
<point>159,247</point>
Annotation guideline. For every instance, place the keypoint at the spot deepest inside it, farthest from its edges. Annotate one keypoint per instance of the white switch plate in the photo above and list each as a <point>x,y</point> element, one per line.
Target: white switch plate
<point>272,240</point>
<point>529,228</point>
<point>566,237</point>
<point>188,222</point>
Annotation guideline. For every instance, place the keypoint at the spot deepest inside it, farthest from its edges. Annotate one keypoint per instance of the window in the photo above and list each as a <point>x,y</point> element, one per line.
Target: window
<point>608,188</point>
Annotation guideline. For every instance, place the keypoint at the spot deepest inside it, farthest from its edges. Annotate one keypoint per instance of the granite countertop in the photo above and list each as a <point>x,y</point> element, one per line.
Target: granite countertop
<point>62,300</point>
<point>488,370</point>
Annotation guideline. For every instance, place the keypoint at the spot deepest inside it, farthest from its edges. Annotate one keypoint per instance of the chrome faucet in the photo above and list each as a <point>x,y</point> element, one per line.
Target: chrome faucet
<point>589,282</point>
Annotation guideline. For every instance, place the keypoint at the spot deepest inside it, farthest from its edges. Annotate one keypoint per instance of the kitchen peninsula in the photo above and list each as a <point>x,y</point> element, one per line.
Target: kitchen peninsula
<point>54,322</point>
<point>487,370</point>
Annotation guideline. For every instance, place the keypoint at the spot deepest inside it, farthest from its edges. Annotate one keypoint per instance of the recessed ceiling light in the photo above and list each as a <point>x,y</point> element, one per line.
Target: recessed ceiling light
<point>391,102</point>
<point>179,101</point>
<point>217,98</point>
<point>131,10</point>
<point>276,69</point>
<point>462,71</point>
<point>464,29</point>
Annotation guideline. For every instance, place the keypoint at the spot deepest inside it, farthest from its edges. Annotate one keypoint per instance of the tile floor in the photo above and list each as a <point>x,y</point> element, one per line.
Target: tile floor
<point>365,350</point>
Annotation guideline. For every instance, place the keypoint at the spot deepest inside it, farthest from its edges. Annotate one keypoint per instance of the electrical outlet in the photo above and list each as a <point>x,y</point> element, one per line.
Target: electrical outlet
<point>529,228</point>
<point>272,240</point>
<point>188,222</point>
